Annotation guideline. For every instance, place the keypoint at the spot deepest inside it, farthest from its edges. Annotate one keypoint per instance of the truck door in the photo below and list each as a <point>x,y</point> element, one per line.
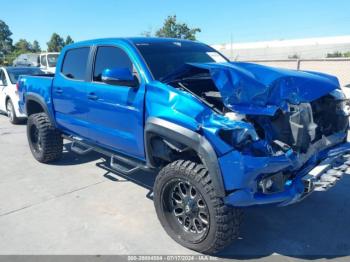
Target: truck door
<point>116,111</point>
<point>69,93</point>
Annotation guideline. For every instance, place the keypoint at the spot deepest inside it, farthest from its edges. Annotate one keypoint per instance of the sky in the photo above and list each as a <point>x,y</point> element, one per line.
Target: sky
<point>220,21</point>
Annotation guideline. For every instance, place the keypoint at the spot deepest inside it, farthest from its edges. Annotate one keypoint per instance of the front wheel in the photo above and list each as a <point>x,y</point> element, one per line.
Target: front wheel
<point>189,210</point>
<point>46,143</point>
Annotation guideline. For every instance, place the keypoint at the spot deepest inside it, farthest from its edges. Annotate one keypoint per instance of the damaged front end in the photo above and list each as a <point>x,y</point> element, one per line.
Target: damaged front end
<point>286,129</point>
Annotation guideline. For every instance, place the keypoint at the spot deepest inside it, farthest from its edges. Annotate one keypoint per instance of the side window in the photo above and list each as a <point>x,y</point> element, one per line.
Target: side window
<point>110,57</point>
<point>3,78</point>
<point>43,60</point>
<point>75,63</point>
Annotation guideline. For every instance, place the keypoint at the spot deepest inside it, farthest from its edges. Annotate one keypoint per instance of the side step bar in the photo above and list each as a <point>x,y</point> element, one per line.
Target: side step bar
<point>80,148</point>
<point>124,165</point>
<point>120,163</point>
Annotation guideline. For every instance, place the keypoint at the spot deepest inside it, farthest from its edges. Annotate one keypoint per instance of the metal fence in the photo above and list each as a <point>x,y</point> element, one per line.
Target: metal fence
<point>339,67</point>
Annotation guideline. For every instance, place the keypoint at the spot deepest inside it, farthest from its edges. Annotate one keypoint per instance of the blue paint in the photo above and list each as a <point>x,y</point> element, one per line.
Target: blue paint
<point>256,89</point>
<point>120,74</point>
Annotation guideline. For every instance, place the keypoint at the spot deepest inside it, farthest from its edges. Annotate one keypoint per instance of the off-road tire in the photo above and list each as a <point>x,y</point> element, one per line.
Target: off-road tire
<point>51,141</point>
<point>11,113</point>
<point>224,220</point>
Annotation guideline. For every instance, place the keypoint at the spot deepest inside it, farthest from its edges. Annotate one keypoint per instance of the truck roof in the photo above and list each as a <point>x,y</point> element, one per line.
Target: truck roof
<point>133,40</point>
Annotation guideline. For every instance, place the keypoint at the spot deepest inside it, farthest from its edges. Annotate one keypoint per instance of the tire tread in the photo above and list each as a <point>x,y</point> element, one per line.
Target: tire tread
<point>52,141</point>
<point>227,218</point>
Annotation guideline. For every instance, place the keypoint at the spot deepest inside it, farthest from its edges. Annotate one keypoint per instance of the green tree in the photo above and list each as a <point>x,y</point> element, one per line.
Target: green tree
<point>56,43</point>
<point>173,29</point>
<point>69,40</point>
<point>334,54</point>
<point>23,46</point>
<point>346,54</point>
<point>5,41</point>
<point>295,56</point>
<point>36,47</point>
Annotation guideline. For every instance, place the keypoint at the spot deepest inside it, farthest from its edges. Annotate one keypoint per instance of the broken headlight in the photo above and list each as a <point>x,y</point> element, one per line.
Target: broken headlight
<point>343,106</point>
<point>239,137</point>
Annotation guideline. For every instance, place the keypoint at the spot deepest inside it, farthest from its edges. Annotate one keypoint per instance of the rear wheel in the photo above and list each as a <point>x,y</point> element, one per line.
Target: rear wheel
<point>46,142</point>
<point>189,210</point>
<point>11,113</point>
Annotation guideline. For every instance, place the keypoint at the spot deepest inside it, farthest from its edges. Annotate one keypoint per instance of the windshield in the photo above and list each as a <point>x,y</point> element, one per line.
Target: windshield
<point>14,73</point>
<point>52,60</point>
<point>165,57</point>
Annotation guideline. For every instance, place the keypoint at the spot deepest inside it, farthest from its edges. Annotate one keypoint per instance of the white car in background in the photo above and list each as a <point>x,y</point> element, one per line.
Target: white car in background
<point>8,90</point>
<point>46,61</point>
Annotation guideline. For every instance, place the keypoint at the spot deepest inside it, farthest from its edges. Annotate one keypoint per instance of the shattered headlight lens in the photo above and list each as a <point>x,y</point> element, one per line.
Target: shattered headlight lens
<point>239,138</point>
<point>246,141</point>
<point>343,107</point>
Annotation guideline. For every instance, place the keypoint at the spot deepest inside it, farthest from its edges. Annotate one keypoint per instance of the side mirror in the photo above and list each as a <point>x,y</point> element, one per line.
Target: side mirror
<point>119,76</point>
<point>1,83</point>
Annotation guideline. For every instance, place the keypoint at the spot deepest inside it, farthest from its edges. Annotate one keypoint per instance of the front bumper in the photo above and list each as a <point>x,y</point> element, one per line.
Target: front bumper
<point>321,171</point>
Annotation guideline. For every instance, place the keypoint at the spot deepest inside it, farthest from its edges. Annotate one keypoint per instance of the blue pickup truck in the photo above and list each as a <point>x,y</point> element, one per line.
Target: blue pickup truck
<point>221,135</point>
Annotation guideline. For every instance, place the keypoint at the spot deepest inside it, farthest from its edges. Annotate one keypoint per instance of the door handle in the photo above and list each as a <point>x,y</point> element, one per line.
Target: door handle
<point>92,96</point>
<point>59,90</point>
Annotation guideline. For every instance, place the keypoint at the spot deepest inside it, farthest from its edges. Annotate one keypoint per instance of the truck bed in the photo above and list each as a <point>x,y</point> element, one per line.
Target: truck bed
<point>39,86</point>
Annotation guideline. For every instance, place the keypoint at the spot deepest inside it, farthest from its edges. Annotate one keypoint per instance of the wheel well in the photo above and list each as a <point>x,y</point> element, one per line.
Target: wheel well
<point>164,150</point>
<point>34,107</point>
<point>6,100</point>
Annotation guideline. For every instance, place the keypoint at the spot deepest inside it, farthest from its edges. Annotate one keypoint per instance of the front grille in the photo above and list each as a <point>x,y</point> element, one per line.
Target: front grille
<point>304,124</point>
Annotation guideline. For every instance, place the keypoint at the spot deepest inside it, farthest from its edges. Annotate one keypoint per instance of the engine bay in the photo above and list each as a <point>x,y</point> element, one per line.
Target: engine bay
<point>297,127</point>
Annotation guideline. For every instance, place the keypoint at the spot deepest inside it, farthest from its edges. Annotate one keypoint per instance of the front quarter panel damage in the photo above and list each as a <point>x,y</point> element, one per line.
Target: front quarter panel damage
<point>253,90</point>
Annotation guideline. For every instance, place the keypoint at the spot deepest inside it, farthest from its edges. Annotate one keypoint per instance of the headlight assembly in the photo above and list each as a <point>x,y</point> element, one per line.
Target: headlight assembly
<point>239,137</point>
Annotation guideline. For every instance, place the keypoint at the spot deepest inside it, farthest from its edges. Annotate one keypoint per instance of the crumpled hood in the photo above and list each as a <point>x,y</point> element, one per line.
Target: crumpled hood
<point>256,89</point>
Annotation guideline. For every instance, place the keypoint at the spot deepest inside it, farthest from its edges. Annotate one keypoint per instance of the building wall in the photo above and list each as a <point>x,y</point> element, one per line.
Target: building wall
<point>303,52</point>
<point>338,67</point>
<point>308,48</point>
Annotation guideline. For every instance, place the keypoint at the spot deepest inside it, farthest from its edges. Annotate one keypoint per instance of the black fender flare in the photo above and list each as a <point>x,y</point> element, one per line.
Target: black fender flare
<point>38,99</point>
<point>189,138</point>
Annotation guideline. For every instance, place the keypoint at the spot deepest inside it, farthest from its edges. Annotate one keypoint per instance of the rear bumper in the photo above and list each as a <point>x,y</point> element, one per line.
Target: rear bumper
<point>320,172</point>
